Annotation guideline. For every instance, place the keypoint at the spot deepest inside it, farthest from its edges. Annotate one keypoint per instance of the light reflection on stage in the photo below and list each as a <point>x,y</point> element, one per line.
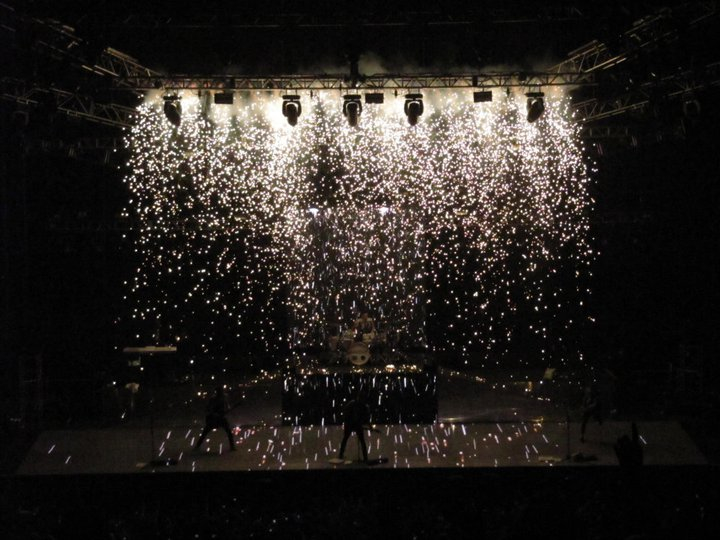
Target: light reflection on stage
<point>497,423</point>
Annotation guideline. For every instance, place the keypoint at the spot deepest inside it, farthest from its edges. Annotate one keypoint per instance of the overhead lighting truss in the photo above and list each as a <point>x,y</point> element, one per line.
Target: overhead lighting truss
<point>59,41</point>
<point>645,34</point>
<point>369,82</point>
<point>591,133</point>
<point>68,103</point>
<point>682,84</point>
<point>105,150</point>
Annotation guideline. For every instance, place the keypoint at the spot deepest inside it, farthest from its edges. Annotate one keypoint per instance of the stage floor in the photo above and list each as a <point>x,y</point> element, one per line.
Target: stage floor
<point>519,444</point>
<point>488,421</point>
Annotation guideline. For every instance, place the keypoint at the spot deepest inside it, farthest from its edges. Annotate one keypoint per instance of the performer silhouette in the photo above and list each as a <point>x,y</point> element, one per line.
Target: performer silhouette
<point>364,323</point>
<point>629,451</point>
<point>356,413</point>
<point>592,408</point>
<point>217,408</point>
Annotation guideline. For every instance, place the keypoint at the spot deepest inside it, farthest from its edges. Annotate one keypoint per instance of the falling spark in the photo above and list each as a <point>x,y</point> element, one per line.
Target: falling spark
<point>236,213</point>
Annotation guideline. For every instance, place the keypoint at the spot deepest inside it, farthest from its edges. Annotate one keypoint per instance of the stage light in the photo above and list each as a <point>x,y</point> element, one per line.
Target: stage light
<point>535,105</point>
<point>172,109</point>
<point>291,108</point>
<point>413,108</point>
<point>352,107</point>
<point>691,107</point>
<point>376,98</point>
<point>482,97</point>
<point>314,211</point>
<point>224,98</point>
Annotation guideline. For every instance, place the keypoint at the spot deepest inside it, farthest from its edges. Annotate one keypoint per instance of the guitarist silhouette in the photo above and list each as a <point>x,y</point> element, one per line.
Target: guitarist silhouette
<point>217,408</point>
<point>356,413</point>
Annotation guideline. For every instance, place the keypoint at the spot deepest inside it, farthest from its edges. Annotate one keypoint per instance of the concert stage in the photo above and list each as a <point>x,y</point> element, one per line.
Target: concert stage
<point>482,422</point>
<point>521,444</point>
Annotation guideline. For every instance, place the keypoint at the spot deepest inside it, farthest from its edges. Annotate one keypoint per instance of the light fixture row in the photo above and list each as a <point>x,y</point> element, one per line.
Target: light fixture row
<point>352,106</point>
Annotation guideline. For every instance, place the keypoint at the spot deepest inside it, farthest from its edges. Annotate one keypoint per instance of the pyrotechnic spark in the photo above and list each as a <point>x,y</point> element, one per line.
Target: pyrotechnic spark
<point>475,208</point>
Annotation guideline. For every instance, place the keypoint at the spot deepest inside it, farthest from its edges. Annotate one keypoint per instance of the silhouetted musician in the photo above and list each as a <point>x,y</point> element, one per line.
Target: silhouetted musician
<point>356,414</point>
<point>217,408</point>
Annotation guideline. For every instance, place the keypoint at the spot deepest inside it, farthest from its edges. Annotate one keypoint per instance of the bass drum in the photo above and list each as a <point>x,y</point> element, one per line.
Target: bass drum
<point>359,353</point>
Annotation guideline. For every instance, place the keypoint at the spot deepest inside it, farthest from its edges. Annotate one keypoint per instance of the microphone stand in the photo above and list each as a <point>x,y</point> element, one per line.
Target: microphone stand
<point>156,461</point>
<point>568,455</point>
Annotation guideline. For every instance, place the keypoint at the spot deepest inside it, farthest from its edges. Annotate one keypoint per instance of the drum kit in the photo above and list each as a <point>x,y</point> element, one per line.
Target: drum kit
<point>357,347</point>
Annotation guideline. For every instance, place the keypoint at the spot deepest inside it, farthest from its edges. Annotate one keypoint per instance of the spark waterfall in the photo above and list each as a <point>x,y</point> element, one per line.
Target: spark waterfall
<point>469,230</point>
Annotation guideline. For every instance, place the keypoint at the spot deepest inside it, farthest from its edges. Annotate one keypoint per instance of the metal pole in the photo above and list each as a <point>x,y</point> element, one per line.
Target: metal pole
<point>567,431</point>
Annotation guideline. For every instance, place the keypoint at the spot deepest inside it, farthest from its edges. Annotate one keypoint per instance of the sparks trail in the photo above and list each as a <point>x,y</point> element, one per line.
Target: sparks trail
<point>474,222</point>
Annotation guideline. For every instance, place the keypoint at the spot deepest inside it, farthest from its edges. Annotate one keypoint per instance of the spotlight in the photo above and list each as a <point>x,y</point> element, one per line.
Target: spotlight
<point>172,110</point>
<point>535,105</point>
<point>482,97</point>
<point>352,107</point>
<point>413,108</point>
<point>375,98</point>
<point>291,108</point>
<point>691,107</point>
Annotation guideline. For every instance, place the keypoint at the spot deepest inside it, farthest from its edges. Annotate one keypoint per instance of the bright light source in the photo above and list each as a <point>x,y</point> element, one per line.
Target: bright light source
<point>172,110</point>
<point>413,108</point>
<point>535,105</point>
<point>352,107</point>
<point>291,108</point>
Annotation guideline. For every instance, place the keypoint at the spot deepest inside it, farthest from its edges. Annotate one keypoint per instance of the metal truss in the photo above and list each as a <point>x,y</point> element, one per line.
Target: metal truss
<point>683,84</point>
<point>592,110</point>
<point>85,144</point>
<point>68,103</point>
<point>369,82</point>
<point>645,33</point>
<point>595,55</point>
<point>606,132</point>
<point>120,66</point>
<point>60,41</point>
<point>105,150</point>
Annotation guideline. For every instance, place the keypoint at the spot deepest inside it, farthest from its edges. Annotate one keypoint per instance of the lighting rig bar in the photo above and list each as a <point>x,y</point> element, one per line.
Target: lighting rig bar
<point>646,32</point>
<point>85,144</point>
<point>120,66</point>
<point>105,150</point>
<point>68,103</point>
<point>369,82</point>
<point>60,41</point>
<point>684,84</point>
<point>590,132</point>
